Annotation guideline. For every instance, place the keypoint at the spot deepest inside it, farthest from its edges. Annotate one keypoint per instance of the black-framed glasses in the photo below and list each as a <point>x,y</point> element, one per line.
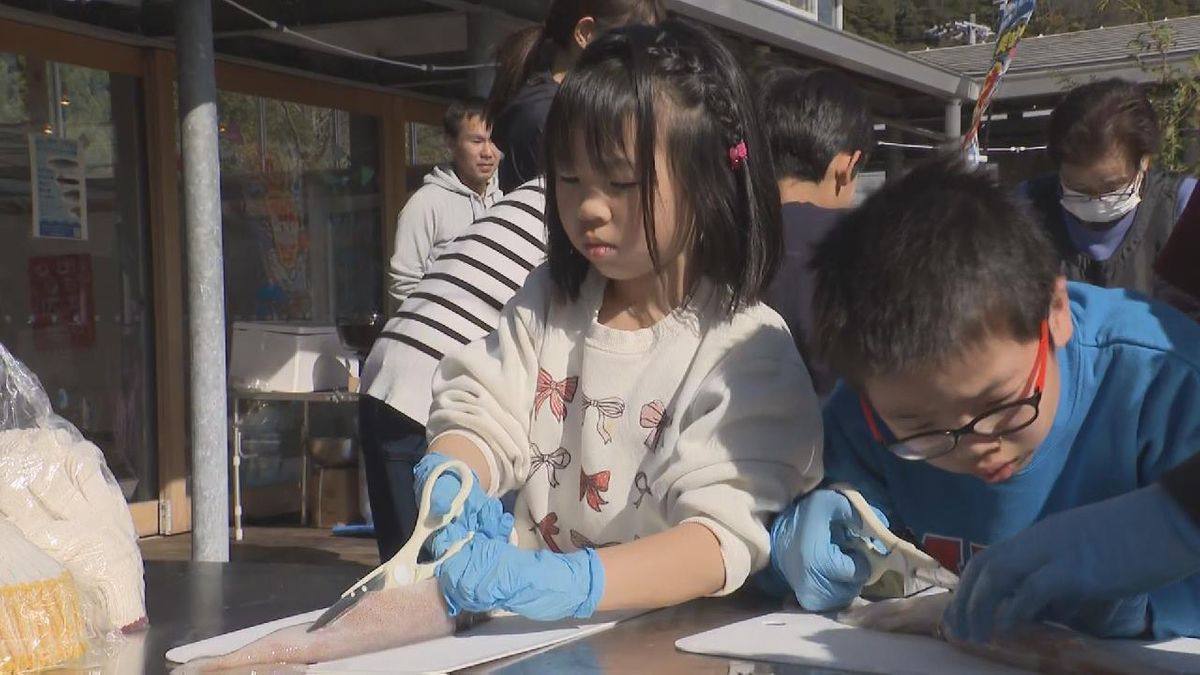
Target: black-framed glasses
<point>999,421</point>
<point>1133,187</point>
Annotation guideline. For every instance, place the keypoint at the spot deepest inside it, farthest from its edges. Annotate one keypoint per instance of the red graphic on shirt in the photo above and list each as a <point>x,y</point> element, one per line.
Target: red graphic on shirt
<point>952,552</point>
<point>559,394</point>
<point>547,527</point>
<point>654,417</point>
<point>579,541</point>
<point>559,459</point>
<point>607,410</point>
<point>590,487</point>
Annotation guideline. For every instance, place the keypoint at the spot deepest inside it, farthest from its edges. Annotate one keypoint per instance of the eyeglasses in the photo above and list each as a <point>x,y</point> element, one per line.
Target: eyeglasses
<point>1122,194</point>
<point>999,421</point>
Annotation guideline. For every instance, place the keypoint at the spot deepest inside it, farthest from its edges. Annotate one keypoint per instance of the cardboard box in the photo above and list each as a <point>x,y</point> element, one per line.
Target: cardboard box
<point>336,493</point>
<point>292,358</point>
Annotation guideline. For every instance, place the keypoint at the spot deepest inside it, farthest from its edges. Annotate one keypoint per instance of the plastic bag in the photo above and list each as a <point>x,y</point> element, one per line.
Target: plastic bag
<point>57,490</point>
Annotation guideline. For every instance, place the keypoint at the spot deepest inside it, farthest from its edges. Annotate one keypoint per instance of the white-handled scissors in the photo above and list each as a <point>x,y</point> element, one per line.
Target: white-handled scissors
<point>901,556</point>
<point>403,568</point>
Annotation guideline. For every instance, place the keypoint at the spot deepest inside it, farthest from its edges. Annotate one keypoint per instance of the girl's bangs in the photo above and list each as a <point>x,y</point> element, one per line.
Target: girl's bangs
<point>598,105</point>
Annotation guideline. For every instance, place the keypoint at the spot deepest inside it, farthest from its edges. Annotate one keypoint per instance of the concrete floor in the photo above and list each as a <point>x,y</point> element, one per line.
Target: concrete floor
<point>290,544</point>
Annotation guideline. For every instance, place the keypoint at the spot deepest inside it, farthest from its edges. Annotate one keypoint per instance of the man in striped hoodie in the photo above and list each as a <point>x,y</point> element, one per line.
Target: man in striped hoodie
<point>458,300</point>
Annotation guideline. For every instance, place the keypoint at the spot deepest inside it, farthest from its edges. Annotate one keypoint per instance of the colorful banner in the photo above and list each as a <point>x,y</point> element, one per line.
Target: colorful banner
<point>1014,17</point>
<point>59,188</point>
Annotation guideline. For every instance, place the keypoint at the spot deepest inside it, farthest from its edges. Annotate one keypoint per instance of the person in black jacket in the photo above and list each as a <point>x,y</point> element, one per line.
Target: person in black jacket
<point>532,63</point>
<point>1108,209</point>
<point>821,133</point>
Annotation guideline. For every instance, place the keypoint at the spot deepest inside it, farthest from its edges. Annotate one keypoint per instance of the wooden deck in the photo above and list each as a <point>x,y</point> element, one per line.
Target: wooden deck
<point>291,544</point>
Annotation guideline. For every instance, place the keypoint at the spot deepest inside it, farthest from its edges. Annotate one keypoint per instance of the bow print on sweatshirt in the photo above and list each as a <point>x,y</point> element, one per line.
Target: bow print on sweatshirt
<point>547,527</point>
<point>590,487</point>
<point>559,394</point>
<point>607,410</point>
<point>559,459</point>
<point>655,418</point>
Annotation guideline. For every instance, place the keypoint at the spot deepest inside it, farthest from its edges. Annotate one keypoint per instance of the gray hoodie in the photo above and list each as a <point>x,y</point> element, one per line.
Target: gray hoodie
<point>437,213</point>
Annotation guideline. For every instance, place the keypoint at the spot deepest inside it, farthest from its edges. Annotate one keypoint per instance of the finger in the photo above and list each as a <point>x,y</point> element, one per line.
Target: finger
<point>445,490</point>
<point>827,596</point>
<point>448,536</point>
<point>1028,600</point>
<point>998,577</point>
<point>846,565</point>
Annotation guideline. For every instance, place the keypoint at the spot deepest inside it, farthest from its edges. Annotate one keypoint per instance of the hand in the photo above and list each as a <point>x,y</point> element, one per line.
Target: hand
<point>490,574</point>
<point>480,513</point>
<point>1088,568</point>
<point>810,549</point>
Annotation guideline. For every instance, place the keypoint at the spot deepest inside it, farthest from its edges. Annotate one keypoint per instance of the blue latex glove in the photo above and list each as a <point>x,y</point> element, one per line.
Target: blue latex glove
<point>1088,568</point>
<point>490,574</point>
<point>810,549</point>
<point>481,514</point>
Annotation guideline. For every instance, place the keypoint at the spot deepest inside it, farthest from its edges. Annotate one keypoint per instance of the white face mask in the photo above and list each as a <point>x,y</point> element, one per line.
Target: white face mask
<point>1107,207</point>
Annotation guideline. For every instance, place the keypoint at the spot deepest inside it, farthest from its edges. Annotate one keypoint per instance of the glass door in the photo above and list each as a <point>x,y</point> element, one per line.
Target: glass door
<point>74,293</point>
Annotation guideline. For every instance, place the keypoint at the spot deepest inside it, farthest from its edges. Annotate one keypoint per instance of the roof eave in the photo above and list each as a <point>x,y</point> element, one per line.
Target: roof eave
<point>1051,82</point>
<point>787,28</point>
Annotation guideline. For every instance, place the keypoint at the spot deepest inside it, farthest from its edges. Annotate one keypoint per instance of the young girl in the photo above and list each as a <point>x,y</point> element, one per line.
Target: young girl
<point>649,411</point>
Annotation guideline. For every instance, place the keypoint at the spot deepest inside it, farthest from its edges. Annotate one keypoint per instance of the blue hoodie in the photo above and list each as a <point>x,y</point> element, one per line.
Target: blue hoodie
<point>1128,412</point>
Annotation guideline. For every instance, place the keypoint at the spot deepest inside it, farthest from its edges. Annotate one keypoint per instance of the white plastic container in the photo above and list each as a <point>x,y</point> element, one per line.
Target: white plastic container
<point>292,358</point>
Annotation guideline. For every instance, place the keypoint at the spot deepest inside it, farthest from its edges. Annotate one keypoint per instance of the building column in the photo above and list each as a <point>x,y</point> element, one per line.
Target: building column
<point>483,36</point>
<point>893,157</point>
<point>954,119</point>
<point>205,279</point>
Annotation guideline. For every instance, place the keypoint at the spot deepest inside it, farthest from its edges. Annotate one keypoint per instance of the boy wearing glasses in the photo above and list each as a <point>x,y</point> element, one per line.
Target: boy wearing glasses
<point>983,393</point>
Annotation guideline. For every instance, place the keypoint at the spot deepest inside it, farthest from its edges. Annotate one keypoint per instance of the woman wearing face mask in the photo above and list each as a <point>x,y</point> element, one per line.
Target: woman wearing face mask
<point>533,62</point>
<point>1107,208</point>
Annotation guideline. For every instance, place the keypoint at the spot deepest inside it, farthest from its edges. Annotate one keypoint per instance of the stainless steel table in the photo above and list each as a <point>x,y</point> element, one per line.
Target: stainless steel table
<point>236,398</point>
<point>193,601</point>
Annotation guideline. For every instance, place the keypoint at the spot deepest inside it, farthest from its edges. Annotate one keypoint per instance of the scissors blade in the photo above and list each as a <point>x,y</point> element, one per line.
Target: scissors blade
<point>937,576</point>
<point>350,599</point>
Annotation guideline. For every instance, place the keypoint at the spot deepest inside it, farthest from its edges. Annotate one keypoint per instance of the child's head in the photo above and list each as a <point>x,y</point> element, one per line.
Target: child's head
<point>940,301</point>
<point>656,168</point>
<point>820,129</point>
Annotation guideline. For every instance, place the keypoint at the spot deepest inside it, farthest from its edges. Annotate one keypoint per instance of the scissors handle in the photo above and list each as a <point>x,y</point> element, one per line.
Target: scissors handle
<point>403,567</point>
<point>901,555</point>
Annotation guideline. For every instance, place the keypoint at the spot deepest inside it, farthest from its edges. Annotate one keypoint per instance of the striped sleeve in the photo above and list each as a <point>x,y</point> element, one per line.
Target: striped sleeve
<point>458,300</point>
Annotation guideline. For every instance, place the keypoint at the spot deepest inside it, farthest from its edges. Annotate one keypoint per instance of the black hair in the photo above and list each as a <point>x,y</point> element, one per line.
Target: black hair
<point>810,117</point>
<point>461,111</point>
<point>674,83</point>
<point>1094,119</point>
<point>927,267</point>
<point>532,50</point>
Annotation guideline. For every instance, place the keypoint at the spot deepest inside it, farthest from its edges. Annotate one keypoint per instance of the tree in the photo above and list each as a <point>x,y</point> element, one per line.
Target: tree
<point>1175,93</point>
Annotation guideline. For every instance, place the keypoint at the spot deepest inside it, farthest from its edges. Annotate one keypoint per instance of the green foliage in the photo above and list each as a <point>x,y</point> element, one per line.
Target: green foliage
<point>1175,92</point>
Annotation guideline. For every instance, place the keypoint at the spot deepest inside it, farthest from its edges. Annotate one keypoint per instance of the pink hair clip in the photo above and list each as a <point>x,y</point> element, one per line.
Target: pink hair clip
<point>738,155</point>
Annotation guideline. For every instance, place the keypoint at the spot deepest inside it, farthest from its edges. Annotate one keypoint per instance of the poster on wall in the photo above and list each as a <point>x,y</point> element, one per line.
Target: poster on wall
<point>59,187</point>
<point>60,299</point>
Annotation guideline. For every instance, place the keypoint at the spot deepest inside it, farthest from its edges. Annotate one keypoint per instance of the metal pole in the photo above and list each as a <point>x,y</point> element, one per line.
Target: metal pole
<point>953,119</point>
<point>206,281</point>
<point>482,36</point>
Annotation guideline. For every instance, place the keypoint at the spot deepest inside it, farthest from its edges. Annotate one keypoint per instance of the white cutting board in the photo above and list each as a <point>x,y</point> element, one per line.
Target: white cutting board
<point>498,638</point>
<point>816,640</point>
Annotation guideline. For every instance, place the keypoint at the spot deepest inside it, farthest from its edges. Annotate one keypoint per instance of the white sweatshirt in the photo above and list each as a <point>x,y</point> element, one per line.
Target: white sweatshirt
<point>441,210</point>
<point>614,435</point>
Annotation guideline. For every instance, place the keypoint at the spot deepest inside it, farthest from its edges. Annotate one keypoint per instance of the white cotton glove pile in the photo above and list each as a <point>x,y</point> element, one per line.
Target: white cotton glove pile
<point>57,490</point>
